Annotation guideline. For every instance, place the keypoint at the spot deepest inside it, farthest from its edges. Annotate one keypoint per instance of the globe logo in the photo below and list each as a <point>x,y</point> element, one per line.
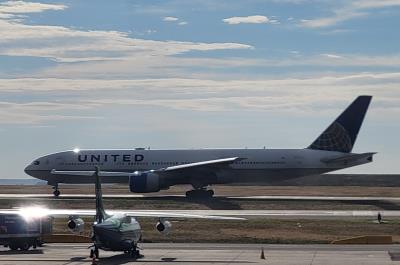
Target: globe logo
<point>335,138</point>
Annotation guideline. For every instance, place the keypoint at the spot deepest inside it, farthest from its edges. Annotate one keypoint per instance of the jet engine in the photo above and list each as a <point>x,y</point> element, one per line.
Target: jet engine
<point>164,227</point>
<point>144,182</point>
<point>76,225</point>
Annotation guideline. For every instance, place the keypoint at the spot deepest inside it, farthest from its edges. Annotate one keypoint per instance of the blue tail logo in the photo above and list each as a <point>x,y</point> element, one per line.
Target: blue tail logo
<point>341,135</point>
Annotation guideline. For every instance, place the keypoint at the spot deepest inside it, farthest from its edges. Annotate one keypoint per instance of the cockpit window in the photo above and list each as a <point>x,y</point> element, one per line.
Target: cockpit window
<point>36,162</point>
<point>126,220</point>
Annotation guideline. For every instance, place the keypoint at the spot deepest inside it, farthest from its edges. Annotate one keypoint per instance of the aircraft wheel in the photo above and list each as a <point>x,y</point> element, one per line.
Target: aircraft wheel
<point>13,246</point>
<point>134,252</point>
<point>56,193</point>
<point>25,246</point>
<point>191,194</point>
<point>199,194</point>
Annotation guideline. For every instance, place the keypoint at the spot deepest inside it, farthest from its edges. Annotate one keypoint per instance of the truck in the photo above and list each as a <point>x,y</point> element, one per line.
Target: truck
<point>20,233</point>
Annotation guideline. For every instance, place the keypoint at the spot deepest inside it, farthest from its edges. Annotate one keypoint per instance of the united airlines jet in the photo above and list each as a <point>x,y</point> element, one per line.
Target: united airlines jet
<point>153,170</point>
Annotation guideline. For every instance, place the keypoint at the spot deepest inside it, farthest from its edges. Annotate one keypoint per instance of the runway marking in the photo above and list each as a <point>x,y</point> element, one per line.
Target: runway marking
<point>272,214</point>
<point>333,214</point>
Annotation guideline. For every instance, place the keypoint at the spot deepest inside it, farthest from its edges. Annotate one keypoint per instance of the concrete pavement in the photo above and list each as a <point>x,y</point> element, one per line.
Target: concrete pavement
<point>213,254</point>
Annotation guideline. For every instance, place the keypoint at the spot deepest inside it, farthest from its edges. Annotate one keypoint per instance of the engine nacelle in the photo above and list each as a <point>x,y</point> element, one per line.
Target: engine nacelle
<point>76,225</point>
<point>164,227</point>
<point>144,182</point>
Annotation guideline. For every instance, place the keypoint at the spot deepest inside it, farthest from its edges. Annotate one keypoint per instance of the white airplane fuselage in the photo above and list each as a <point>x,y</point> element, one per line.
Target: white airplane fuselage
<point>255,165</point>
<point>153,170</point>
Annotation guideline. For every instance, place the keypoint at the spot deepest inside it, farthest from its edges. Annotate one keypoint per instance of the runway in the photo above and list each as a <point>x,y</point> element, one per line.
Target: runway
<point>297,213</point>
<point>57,254</point>
<point>278,214</point>
<point>141,196</point>
<point>238,214</point>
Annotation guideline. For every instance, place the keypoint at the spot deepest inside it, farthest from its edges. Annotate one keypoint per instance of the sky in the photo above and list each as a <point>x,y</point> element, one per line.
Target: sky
<point>195,74</point>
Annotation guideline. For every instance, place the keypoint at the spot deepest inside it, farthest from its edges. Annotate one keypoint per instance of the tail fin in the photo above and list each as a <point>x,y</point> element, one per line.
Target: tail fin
<point>342,133</point>
<point>100,213</point>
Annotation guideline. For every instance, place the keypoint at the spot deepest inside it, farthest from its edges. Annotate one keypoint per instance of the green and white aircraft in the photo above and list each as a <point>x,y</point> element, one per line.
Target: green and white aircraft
<point>111,230</point>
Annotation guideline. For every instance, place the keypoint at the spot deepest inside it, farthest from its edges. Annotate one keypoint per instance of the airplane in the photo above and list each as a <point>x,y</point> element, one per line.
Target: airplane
<point>148,170</point>
<point>111,230</point>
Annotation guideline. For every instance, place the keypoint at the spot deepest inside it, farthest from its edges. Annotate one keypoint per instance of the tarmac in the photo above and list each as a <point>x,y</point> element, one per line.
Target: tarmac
<point>141,196</point>
<point>170,254</point>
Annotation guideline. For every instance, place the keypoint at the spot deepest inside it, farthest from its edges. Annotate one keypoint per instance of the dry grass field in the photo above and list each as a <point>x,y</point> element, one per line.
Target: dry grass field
<point>220,190</point>
<point>258,230</point>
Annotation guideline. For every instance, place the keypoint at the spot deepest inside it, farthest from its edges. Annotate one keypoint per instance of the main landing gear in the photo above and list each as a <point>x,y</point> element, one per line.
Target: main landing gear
<point>94,252</point>
<point>56,191</point>
<point>202,193</point>
<point>134,252</point>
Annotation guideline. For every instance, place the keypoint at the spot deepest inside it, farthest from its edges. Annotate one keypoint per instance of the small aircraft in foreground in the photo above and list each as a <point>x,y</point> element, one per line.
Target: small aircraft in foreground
<point>111,230</point>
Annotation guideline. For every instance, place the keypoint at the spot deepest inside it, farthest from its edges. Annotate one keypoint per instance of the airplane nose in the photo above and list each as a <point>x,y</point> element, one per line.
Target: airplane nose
<point>28,170</point>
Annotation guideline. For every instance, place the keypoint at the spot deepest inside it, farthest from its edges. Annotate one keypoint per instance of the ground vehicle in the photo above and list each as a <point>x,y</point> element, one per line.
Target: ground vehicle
<point>20,232</point>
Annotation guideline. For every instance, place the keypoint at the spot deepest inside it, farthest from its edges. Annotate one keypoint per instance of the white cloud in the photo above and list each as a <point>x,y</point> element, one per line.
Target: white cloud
<point>40,112</point>
<point>329,55</point>
<point>173,66</point>
<point>170,19</point>
<point>391,60</point>
<point>351,10</point>
<point>182,23</point>
<point>247,20</point>
<point>116,69</point>
<point>274,21</point>
<point>337,60</point>
<point>205,95</point>
<point>339,16</point>
<point>375,3</point>
<point>16,7</point>
<point>71,45</point>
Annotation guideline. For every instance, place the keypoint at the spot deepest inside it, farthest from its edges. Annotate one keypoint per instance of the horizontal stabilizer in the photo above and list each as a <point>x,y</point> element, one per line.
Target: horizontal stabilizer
<point>348,158</point>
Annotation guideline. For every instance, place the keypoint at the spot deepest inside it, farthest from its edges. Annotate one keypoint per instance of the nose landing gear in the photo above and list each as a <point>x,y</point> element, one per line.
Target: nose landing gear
<point>134,252</point>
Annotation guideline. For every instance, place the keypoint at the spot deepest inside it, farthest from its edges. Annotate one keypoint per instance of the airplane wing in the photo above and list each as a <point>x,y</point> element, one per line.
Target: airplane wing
<point>211,165</point>
<point>37,212</point>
